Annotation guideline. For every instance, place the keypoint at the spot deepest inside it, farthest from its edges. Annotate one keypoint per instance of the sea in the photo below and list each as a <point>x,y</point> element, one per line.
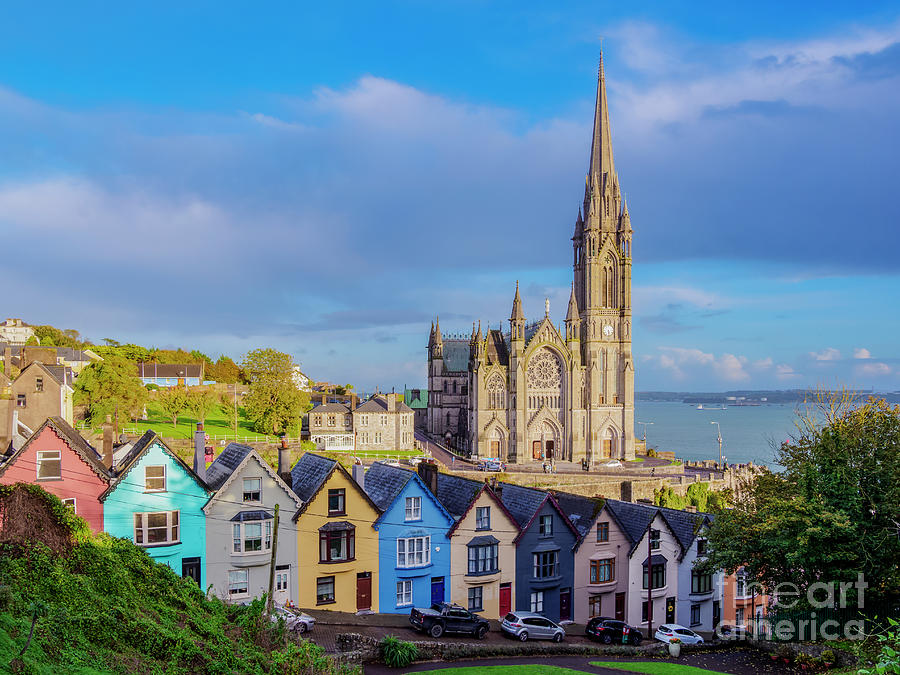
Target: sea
<point>749,433</point>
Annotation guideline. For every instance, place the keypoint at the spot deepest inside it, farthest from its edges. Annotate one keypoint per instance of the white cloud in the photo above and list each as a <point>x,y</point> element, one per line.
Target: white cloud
<point>862,353</point>
<point>785,372</point>
<point>763,364</point>
<point>875,369</point>
<point>828,354</point>
<point>686,363</point>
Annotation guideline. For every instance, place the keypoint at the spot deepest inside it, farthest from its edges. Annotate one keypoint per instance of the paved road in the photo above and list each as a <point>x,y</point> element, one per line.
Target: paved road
<point>733,661</point>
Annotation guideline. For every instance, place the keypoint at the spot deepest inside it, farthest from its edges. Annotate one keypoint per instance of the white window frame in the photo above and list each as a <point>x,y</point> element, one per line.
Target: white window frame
<point>537,602</point>
<point>413,552</point>
<point>404,593</point>
<point>245,491</point>
<point>47,456</point>
<point>231,584</point>
<point>148,478</point>
<point>479,510</point>
<point>173,522</point>
<point>70,501</point>
<point>413,508</point>
<point>239,537</point>
<point>282,581</point>
<point>377,437</point>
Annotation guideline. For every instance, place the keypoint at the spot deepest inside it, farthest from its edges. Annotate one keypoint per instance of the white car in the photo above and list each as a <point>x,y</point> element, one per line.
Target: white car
<point>612,464</point>
<point>296,621</point>
<point>669,631</point>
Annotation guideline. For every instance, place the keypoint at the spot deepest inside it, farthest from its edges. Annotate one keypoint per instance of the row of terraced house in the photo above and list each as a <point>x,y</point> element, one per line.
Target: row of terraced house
<point>383,539</point>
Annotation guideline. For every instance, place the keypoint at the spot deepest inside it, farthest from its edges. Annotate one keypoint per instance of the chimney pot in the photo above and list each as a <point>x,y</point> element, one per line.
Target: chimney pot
<point>284,463</point>
<point>428,472</point>
<point>359,475</point>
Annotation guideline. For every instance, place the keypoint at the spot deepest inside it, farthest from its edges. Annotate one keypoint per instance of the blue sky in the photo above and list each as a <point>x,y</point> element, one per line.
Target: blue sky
<point>326,178</point>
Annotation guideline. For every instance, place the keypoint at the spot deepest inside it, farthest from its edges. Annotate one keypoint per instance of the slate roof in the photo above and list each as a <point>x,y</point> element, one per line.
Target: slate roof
<point>73,439</point>
<point>456,355</point>
<point>225,464</point>
<point>496,350</point>
<point>170,369</point>
<point>376,404</point>
<point>309,473</point>
<point>632,518</point>
<point>684,524</point>
<point>331,408</point>
<point>383,483</point>
<point>455,493</point>
<point>581,511</point>
<point>521,502</point>
<point>62,374</point>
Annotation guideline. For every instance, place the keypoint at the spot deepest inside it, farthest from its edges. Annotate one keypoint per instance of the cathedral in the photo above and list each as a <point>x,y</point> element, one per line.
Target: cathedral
<point>536,392</point>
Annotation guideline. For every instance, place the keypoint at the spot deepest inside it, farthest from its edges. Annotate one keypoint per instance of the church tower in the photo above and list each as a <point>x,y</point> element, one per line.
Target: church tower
<point>602,266</point>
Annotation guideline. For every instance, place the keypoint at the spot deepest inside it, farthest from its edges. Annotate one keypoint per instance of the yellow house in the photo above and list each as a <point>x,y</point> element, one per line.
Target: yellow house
<point>483,556</point>
<point>337,545</point>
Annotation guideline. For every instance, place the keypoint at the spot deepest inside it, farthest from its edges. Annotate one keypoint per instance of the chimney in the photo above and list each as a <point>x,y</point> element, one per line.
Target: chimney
<point>284,462</point>
<point>497,487</point>
<point>200,452</point>
<point>428,472</point>
<point>690,508</point>
<point>359,475</point>
<point>392,402</point>
<point>354,401</point>
<point>108,436</point>
<point>7,360</point>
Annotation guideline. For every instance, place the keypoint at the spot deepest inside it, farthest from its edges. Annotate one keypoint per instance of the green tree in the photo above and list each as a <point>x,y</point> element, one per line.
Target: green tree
<point>273,402</point>
<point>201,401</point>
<point>110,387</point>
<point>224,370</point>
<point>228,404</point>
<point>172,401</point>
<point>834,510</point>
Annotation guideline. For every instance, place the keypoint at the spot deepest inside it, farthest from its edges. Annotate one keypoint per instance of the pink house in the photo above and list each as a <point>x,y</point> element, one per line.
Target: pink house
<point>58,459</point>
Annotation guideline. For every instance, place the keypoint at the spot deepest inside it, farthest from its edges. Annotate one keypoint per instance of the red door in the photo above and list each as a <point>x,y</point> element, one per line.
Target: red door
<point>364,590</point>
<point>620,606</point>
<point>505,599</point>
<point>536,450</point>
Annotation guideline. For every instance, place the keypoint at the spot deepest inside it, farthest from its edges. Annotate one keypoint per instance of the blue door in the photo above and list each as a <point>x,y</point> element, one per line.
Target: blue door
<point>437,590</point>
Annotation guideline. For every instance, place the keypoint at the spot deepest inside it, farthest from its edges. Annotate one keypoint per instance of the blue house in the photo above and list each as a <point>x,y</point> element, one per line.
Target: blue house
<point>171,374</point>
<point>156,500</point>
<point>545,574</point>
<point>414,549</point>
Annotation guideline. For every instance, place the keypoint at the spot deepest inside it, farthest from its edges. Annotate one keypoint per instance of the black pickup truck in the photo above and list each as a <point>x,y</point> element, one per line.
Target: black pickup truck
<point>448,618</point>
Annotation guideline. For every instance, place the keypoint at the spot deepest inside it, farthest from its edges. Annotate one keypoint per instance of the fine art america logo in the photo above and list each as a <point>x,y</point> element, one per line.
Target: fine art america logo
<point>831,611</point>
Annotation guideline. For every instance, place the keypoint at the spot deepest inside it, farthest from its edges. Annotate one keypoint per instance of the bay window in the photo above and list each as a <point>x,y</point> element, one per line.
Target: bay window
<point>337,542</point>
<point>413,552</point>
<point>152,529</point>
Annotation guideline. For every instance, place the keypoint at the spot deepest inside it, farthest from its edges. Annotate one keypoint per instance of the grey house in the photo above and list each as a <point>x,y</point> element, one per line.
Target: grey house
<point>544,552</point>
<point>240,528</point>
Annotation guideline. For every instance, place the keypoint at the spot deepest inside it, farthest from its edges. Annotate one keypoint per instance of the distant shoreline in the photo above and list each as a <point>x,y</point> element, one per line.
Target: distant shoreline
<point>747,397</point>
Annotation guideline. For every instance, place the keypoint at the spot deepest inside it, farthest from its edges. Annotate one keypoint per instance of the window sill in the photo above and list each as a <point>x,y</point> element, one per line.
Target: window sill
<point>701,593</point>
<point>331,514</point>
<point>149,492</point>
<point>47,480</point>
<point>162,545</point>
<point>336,562</point>
<point>319,603</point>
<point>412,520</point>
<point>604,584</point>
<point>482,529</point>
<point>482,574</point>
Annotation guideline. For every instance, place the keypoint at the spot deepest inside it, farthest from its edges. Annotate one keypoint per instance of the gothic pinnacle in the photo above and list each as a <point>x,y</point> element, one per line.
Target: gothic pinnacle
<point>517,313</point>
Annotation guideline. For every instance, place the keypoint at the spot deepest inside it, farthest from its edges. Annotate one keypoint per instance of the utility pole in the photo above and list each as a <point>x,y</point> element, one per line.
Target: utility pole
<point>650,581</point>
<point>271,599</point>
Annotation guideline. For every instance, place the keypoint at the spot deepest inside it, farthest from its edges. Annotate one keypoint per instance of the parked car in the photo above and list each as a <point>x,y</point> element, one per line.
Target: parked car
<point>528,625</point>
<point>491,465</point>
<point>669,631</point>
<point>612,464</point>
<point>445,617</point>
<point>729,632</point>
<point>609,631</point>
<point>293,620</point>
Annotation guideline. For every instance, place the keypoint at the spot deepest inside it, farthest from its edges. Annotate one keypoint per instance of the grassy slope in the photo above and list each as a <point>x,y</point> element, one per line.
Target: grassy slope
<point>111,609</point>
<point>510,670</point>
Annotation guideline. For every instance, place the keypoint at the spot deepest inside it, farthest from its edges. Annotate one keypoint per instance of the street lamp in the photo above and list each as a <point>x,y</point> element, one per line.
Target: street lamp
<point>719,434</point>
<point>644,424</point>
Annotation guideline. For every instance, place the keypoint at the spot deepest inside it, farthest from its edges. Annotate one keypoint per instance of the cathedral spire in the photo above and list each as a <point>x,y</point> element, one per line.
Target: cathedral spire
<point>517,313</point>
<point>572,314</point>
<point>602,165</point>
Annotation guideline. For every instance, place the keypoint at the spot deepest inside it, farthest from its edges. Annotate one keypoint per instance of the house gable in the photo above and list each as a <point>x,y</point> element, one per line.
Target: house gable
<point>253,463</point>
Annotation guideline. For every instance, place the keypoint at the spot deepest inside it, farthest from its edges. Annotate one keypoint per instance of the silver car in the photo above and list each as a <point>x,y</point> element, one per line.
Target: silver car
<point>528,625</point>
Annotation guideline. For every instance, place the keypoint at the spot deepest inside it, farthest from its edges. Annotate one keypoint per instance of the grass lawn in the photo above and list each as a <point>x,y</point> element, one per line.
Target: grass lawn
<point>635,460</point>
<point>510,670</point>
<point>654,668</point>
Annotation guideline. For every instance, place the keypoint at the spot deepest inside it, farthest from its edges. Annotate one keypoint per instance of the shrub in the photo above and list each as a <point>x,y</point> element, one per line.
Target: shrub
<point>398,653</point>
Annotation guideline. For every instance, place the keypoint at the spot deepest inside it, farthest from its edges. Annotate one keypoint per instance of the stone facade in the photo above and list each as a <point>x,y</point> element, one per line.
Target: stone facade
<point>383,424</point>
<point>536,392</point>
<point>331,426</point>
<point>15,332</point>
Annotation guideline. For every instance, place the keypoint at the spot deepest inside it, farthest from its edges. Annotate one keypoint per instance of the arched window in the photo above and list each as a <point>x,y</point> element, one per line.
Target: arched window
<point>496,390</point>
